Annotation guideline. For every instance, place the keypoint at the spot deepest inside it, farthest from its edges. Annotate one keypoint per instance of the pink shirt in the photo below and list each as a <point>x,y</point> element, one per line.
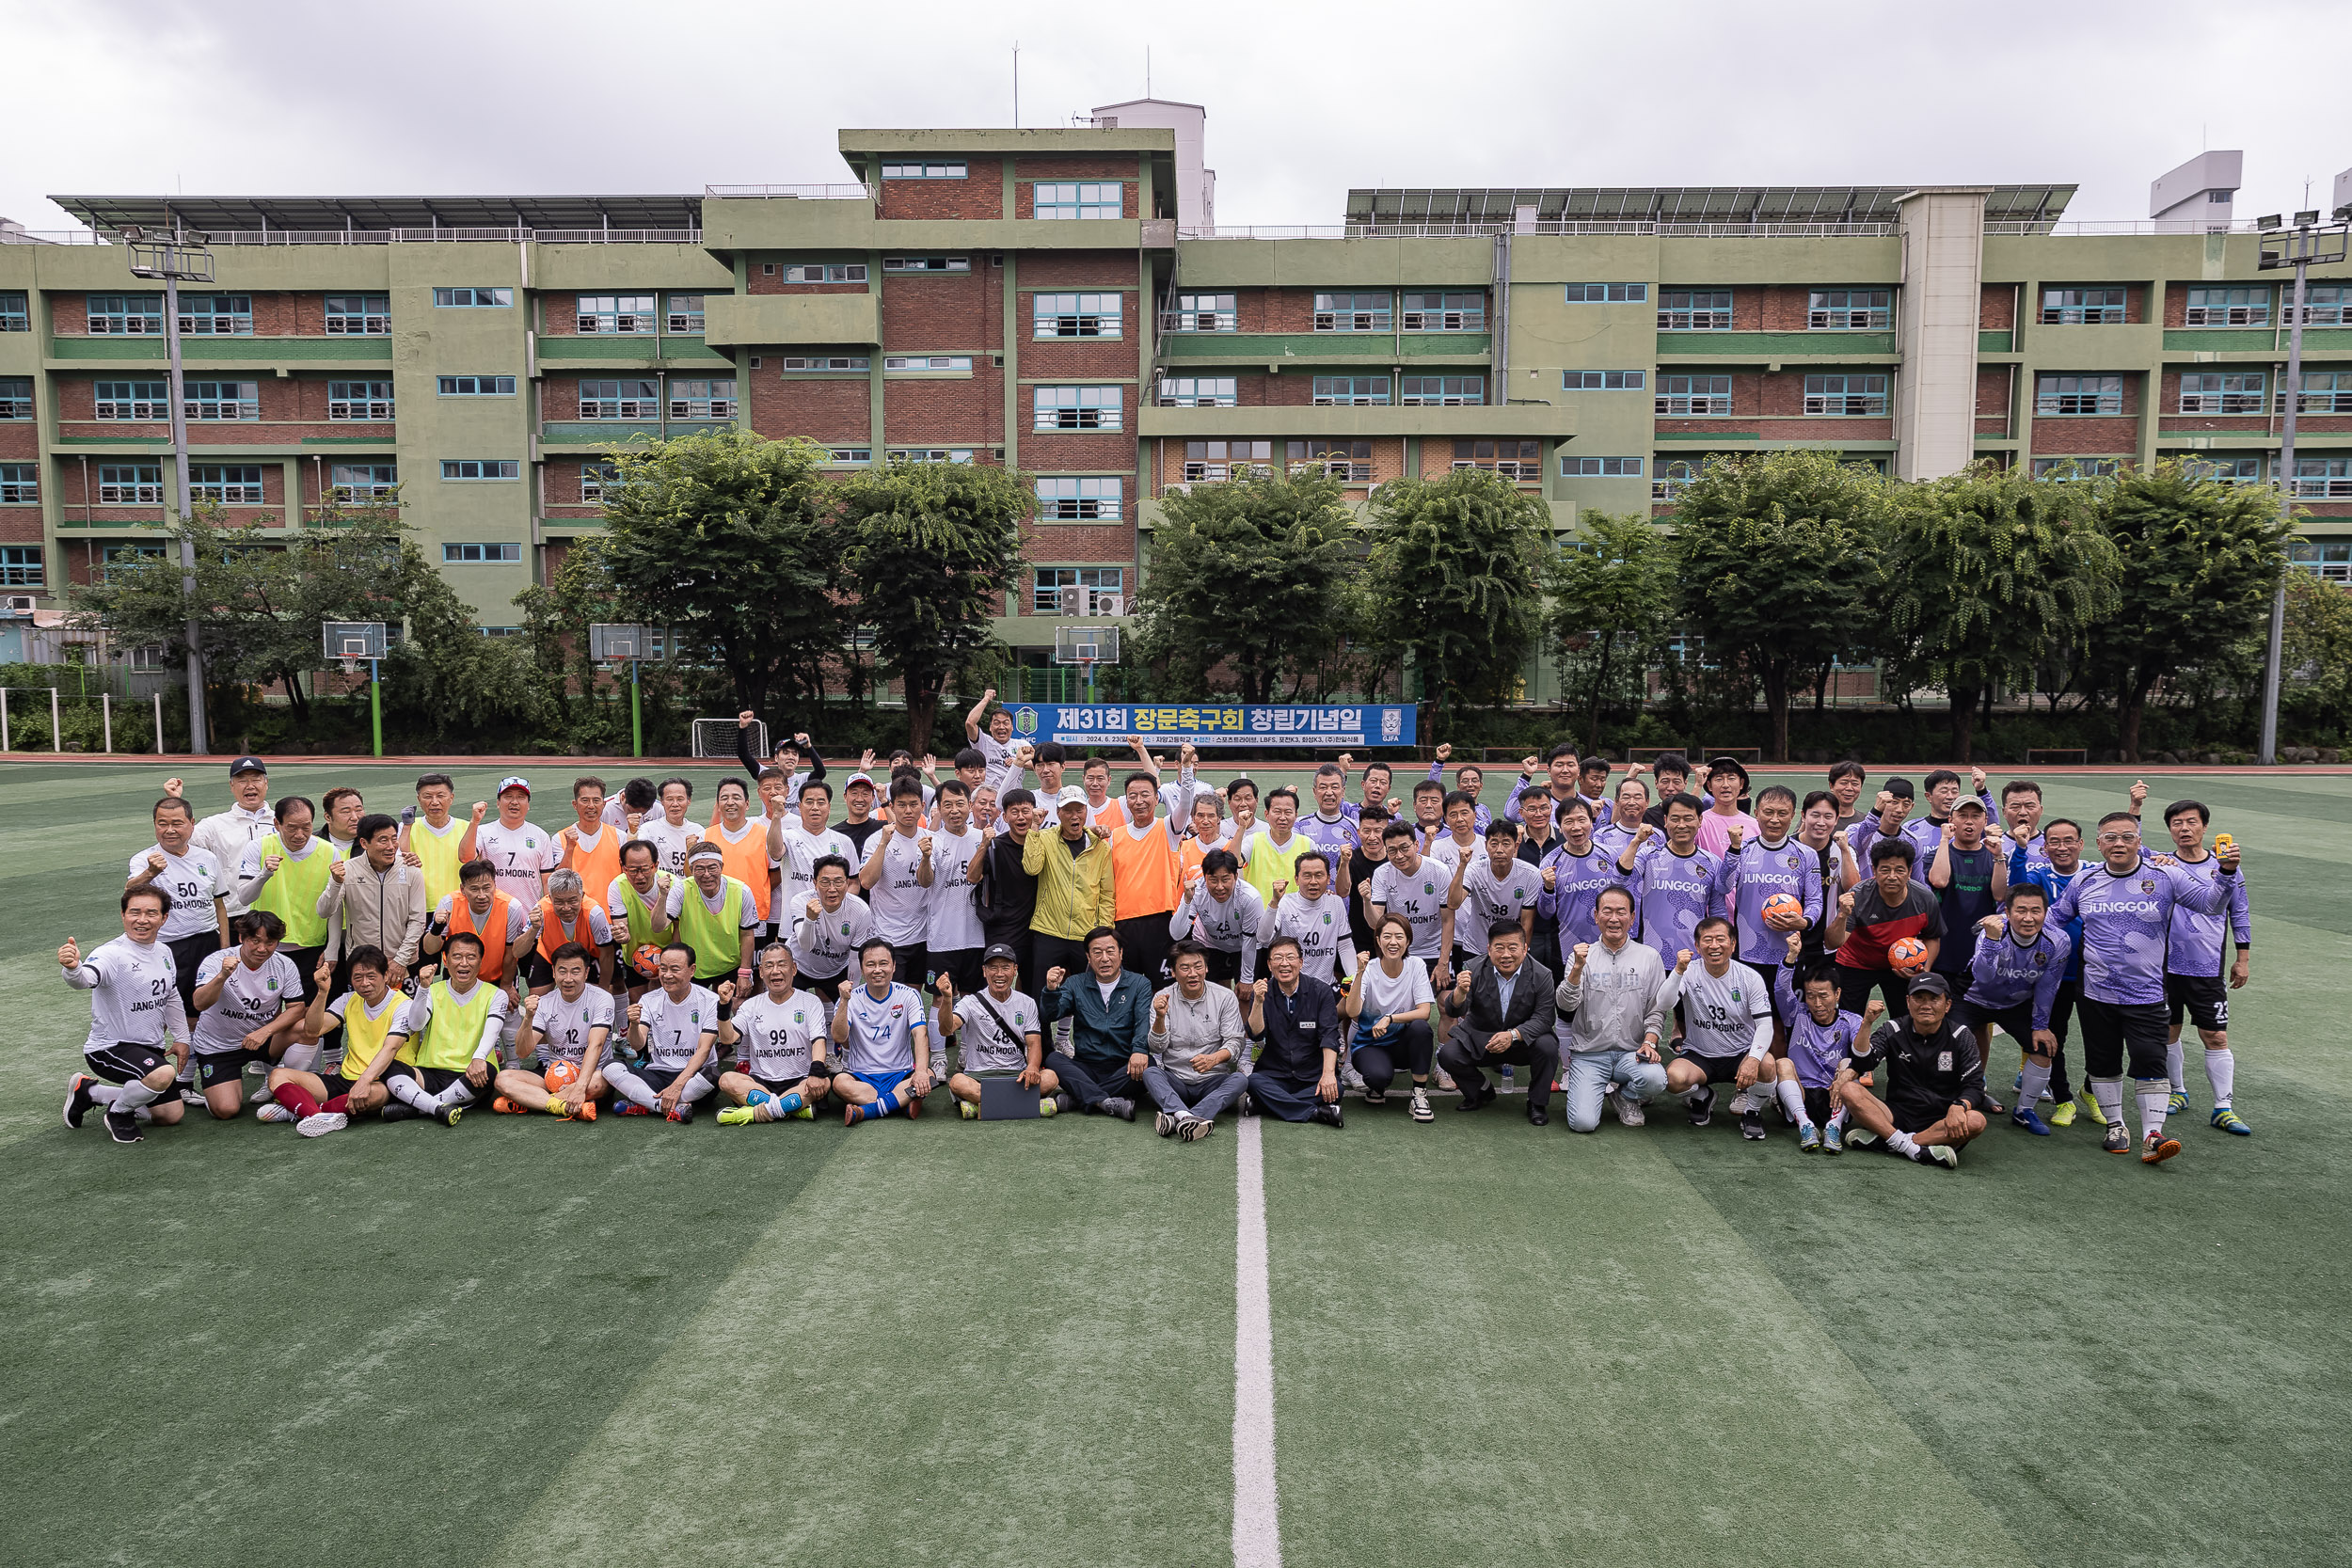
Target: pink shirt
<point>1715,830</point>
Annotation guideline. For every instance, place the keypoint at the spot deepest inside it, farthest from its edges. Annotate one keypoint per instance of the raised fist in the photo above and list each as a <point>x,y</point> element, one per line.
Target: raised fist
<point>173,788</point>
<point>1975,780</point>
<point>324,974</point>
<point>1552,878</point>
<point>1445,750</point>
<point>2139,793</point>
<point>530,1004</point>
<point>1737,832</point>
<point>271,863</point>
<point>1644,833</point>
<point>726,992</point>
<point>335,868</point>
<point>1529,764</point>
<point>1682,961</point>
<point>155,861</point>
<point>743,719</point>
<point>1845,905</point>
<point>815,908</point>
<point>924,844</point>
<point>636,1014</point>
<point>635,820</point>
<point>481,810</point>
<point>945,985</point>
<point>1581,951</point>
<point>1159,1011</point>
<point>1055,976</point>
<point>1796,945</point>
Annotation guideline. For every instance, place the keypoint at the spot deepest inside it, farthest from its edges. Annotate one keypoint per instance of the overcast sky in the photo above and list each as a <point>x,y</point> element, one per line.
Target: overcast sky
<point>1304,98</point>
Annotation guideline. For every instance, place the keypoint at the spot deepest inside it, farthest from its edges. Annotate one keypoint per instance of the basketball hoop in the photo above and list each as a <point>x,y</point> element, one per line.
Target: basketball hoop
<point>350,666</point>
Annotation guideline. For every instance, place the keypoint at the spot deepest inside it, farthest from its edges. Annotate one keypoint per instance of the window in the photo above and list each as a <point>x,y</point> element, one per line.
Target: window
<point>130,484</point>
<point>1081,199</point>
<point>1351,392</point>
<point>1045,598</point>
<point>20,486</point>
<point>2323,479</point>
<point>925,263</point>
<point>851,457</point>
<point>1076,315</point>
<point>683,316</point>
<point>477,385</point>
<point>606,315</point>
<point>229,484</point>
<point>960,363</point>
<point>2224,470</point>
<point>1694,394</point>
<point>474,299</point>
<point>358,400</point>
<point>481,468</point>
<point>1202,313</point>
<point>480,555</point>
<point>1849,395</point>
<point>2078,394</point>
<point>599,481</point>
<point>364,482</point>
<point>1603,381</point>
<point>16,397</point>
<point>13,315</point>
<point>1431,313</point>
<point>812,364</point>
<point>931,455</point>
<point>2326,393</point>
<point>1670,474</point>
<point>836,272</point>
<point>2234,393</point>
<point>923,171</point>
<point>359,315</point>
<point>223,400</point>
<point>21,566</point>
<point>2328,559</point>
<point>2082,307</point>
<point>499,631</point>
<point>1207,462</point>
<point>1507,459</point>
<point>1608,293</point>
<point>121,557</point>
<point>1079,499</point>
<point>133,400</point>
<point>1440,391</point>
<point>1349,462</point>
<point>126,315</point>
<point>1207,391</point>
<point>634,399</point>
<point>1078,407</point>
<point>1356,313</point>
<point>2229,308</point>
<point>2065,469</point>
<point>2324,304</point>
<point>1600,467</point>
<point>1850,310</point>
<point>1685,310</point>
<point>217,315</point>
<point>712,398</point>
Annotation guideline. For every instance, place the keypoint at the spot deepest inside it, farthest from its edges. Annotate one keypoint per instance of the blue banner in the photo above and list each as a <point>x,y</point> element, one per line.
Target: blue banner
<point>1206,724</point>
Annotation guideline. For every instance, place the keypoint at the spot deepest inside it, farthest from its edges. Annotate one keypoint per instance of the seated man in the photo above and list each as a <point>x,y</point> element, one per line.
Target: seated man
<point>139,1037</point>
<point>1298,1016</point>
<point>571,1025</point>
<point>438,1055</point>
<point>998,1031</point>
<point>673,1028</point>
<point>1932,1065</point>
<point>1504,1005</point>
<point>1726,1031</point>
<point>1109,1039</point>
<point>325,1099</point>
<point>781,1034</point>
<point>1613,1010</point>
<point>886,1055</point>
<point>249,1004</point>
<point>1821,1037</point>
<point>1197,1042</point>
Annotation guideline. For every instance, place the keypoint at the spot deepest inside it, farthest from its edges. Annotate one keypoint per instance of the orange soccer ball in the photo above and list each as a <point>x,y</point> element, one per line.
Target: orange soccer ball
<point>1908,955</point>
<point>1783,904</point>
<point>560,1076</point>
<point>647,958</point>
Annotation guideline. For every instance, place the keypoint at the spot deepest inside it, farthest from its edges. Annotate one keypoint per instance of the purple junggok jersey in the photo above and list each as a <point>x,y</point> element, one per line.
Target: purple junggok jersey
<point>1672,895</point>
<point>2002,974</point>
<point>2198,939</point>
<point>1577,881</point>
<point>1755,873</point>
<point>2127,924</point>
<point>1818,1049</point>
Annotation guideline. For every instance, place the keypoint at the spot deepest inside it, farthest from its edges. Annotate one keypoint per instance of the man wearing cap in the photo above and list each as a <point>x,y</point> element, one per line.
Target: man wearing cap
<point>857,796</point>
<point>998,1032</point>
<point>1075,892</point>
<point>520,850</point>
<point>229,834</point>
<point>716,918</point>
<point>1934,1076</point>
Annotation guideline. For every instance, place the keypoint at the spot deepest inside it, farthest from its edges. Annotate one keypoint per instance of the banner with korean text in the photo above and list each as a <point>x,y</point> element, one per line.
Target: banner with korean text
<point>1109,724</point>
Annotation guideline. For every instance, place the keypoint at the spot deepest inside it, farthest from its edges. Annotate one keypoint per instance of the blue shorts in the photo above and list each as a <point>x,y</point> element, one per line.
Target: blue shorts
<point>883,1083</point>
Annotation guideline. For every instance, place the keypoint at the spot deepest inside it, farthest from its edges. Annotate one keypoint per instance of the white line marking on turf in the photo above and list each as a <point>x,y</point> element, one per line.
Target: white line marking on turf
<point>1257,1530</point>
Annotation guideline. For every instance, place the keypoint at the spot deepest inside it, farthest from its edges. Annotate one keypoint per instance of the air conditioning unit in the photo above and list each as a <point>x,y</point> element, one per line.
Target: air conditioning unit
<point>1073,600</point>
<point>1111,603</point>
<point>20,604</point>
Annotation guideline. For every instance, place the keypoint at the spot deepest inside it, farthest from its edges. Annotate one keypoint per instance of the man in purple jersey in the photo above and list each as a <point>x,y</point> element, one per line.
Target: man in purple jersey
<point>1923,832</point>
<point>1331,826</point>
<point>1674,887</point>
<point>2015,974</point>
<point>2126,903</point>
<point>1614,831</point>
<point>1756,868</point>
<point>1574,873</point>
<point>2192,969</point>
<point>1469,779</point>
<point>2021,807</point>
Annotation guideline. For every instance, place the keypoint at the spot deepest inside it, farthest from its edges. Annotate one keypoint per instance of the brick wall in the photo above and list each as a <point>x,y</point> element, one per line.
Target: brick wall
<point>960,412</point>
<point>1993,400</point>
<point>1078,359</point>
<point>1044,544</point>
<point>2062,436</point>
<point>942,312</point>
<point>1780,308</point>
<point>1997,308</point>
<point>831,409</point>
<point>21,524</point>
<point>980,195</point>
<point>1062,270</point>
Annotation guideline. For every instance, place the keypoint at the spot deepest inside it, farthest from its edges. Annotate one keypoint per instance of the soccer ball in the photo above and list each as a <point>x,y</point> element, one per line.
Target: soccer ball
<point>560,1076</point>
<point>1909,955</point>
<point>647,958</point>
<point>1783,904</point>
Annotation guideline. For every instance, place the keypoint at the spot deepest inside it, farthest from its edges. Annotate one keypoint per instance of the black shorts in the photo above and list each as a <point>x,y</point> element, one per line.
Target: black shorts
<point>2117,1035</point>
<point>120,1063</point>
<point>787,1085</point>
<point>2016,1021</point>
<point>914,962</point>
<point>186,953</point>
<point>1854,987</point>
<point>827,986</point>
<point>1911,1116</point>
<point>2203,997</point>
<point>306,962</point>
<point>659,1078</point>
<point>1816,1106</point>
<point>1719,1069</point>
<point>1224,968</point>
<point>214,1068</point>
<point>433,1079</point>
<point>961,965</point>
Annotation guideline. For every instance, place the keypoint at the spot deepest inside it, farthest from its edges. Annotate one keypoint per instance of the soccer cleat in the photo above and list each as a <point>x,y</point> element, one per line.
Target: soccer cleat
<point>2230,1122</point>
<point>322,1124</point>
<point>631,1108</point>
<point>737,1116</point>
<point>396,1110</point>
<point>506,1107</point>
<point>272,1110</point>
<point>807,1113</point>
<point>968,1111</point>
<point>192,1097</point>
<point>2118,1140</point>
<point>2177,1105</point>
<point>557,1109</point>
<point>2062,1115</point>
<point>1702,1105</point>
<point>1248,1106</point>
<point>1164,1124</point>
<point>1939,1155</point>
<point>447,1115</point>
<point>2025,1118</point>
<point>2156,1148</point>
<point>587,1111</point>
<point>1833,1139</point>
<point>123,1128</point>
<point>682,1112</point>
<point>1808,1138</point>
<point>1752,1124</point>
<point>2088,1103</point>
<point>78,1098</point>
<point>1420,1109</point>
<point>1047,1105</point>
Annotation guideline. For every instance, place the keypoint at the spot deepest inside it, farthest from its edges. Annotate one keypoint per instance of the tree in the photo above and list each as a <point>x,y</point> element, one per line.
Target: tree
<point>1776,554</point>
<point>1613,594</point>
<point>556,617</point>
<point>2316,656</point>
<point>448,687</point>
<point>933,549</point>
<point>731,540</point>
<point>1989,572</point>
<point>1251,575</point>
<point>2198,562</point>
<point>1453,583</point>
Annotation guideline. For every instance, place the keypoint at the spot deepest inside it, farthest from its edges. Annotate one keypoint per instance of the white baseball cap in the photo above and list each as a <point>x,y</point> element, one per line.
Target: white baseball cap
<point>1070,796</point>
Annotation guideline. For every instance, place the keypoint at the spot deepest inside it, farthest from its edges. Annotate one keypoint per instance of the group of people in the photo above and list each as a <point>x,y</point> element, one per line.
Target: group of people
<point>1614,933</point>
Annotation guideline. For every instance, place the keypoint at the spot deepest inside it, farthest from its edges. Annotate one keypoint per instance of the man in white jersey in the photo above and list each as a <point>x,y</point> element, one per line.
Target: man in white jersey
<point>248,818</point>
<point>952,936</point>
<point>669,834</point>
<point>1409,886</point>
<point>249,1004</point>
<point>886,1052</point>
<point>520,850</point>
<point>673,1028</point>
<point>571,1025</point>
<point>998,1034</point>
<point>194,881</point>
<point>1493,889</point>
<point>897,878</point>
<point>780,1037</point>
<point>1726,1029</point>
<point>797,846</point>
<point>990,735</point>
<point>139,1037</point>
<point>1223,914</point>
<point>828,930</point>
<point>1314,916</point>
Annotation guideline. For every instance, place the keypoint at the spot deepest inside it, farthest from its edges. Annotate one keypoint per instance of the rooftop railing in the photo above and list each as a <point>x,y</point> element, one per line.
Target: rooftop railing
<point>380,236</point>
<point>800,193</point>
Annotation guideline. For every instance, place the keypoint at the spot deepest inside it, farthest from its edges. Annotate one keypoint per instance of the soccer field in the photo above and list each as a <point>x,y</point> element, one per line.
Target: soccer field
<point>522,1340</point>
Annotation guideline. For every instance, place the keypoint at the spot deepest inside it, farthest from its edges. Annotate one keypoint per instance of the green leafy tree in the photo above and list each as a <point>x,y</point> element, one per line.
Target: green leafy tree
<point>2317,658</point>
<point>1988,574</point>
<point>447,686</point>
<point>1612,594</point>
<point>590,705</point>
<point>1777,559</point>
<point>933,549</point>
<point>1251,576</point>
<point>733,541</point>
<point>2199,562</point>
<point>1453,583</point>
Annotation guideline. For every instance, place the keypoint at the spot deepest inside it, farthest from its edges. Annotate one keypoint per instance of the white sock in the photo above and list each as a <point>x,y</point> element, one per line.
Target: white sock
<point>1792,1100</point>
<point>2037,1082</point>
<point>131,1096</point>
<point>409,1093</point>
<point>696,1088</point>
<point>2221,1072</point>
<point>1837,1119</point>
<point>2109,1092</point>
<point>303,1055</point>
<point>2155,1094</point>
<point>631,1088</point>
<point>144,1116</point>
<point>1901,1144</point>
<point>459,1093</point>
<point>2174,1064</point>
<point>102,1094</point>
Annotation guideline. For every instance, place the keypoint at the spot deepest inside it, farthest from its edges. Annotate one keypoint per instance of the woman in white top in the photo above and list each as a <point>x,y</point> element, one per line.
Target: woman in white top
<point>1391,1002</point>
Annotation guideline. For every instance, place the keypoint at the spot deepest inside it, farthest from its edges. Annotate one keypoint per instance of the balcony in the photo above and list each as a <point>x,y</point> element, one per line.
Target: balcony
<point>1291,421</point>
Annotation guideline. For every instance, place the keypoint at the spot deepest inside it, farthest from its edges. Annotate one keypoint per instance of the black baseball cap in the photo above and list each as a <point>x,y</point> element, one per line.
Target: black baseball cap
<point>998,950</point>
<point>247,765</point>
<point>1931,984</point>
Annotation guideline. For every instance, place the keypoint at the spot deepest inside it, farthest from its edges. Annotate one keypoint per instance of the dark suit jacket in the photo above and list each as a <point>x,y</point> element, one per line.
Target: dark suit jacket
<point>1530,1015</point>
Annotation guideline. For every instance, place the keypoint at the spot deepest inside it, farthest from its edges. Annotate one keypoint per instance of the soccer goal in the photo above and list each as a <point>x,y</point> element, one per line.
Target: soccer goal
<point>715,737</point>
<point>1751,755</point>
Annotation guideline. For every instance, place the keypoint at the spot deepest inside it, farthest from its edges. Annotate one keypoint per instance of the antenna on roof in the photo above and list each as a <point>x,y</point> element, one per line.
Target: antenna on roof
<point>1016,84</point>
<point>1147,70</point>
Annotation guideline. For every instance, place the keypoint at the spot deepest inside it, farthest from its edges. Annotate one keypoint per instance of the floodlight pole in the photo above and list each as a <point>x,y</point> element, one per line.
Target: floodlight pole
<point>169,259</point>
